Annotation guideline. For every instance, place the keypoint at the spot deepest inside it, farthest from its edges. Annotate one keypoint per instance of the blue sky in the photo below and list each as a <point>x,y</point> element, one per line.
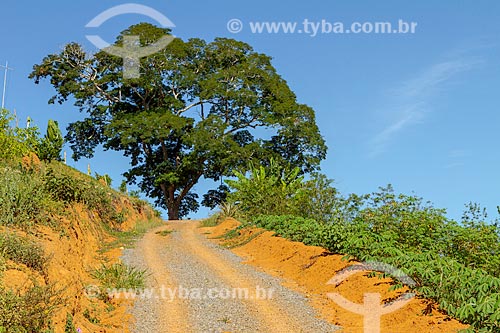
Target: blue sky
<point>420,111</point>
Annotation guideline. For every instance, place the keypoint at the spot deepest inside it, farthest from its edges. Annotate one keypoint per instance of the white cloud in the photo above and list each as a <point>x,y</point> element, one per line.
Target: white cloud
<point>410,102</point>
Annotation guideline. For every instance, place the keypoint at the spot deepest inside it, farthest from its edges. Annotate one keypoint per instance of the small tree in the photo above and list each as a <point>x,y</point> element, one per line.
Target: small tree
<point>267,190</point>
<point>52,143</point>
<point>123,187</point>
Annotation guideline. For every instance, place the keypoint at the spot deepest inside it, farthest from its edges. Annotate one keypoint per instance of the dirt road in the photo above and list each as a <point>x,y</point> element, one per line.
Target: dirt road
<point>196,286</point>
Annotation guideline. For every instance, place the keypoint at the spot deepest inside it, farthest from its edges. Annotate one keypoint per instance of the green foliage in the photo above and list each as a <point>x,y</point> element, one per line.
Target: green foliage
<point>23,200</point>
<point>228,209</point>
<point>463,291</point>
<point>22,250</point>
<point>28,311</point>
<point>120,276</point>
<point>454,264</point>
<point>268,189</point>
<point>214,198</point>
<point>69,327</point>
<point>69,187</point>
<point>123,187</point>
<point>318,199</point>
<point>198,110</point>
<point>106,178</point>
<point>16,142</point>
<point>476,243</point>
<point>292,227</point>
<point>51,145</point>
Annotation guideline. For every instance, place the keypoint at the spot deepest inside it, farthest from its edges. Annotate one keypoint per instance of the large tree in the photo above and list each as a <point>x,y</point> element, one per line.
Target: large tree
<point>197,110</point>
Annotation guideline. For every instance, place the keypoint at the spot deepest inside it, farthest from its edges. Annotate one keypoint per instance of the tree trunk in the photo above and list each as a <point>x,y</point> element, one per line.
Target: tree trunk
<point>173,211</point>
<point>172,204</point>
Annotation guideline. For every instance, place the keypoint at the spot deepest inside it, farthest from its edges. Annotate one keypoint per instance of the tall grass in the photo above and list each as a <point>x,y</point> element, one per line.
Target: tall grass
<point>23,200</point>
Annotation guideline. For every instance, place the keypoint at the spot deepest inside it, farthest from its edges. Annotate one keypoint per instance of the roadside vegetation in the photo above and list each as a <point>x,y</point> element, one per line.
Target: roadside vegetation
<point>454,263</point>
<point>38,191</point>
<point>120,276</point>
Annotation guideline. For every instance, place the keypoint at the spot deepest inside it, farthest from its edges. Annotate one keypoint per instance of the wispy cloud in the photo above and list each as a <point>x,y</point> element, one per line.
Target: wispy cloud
<point>455,158</point>
<point>457,153</point>
<point>410,102</point>
<point>453,165</point>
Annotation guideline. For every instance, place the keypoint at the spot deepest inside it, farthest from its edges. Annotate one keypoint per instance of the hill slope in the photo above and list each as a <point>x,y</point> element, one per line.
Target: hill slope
<point>59,228</point>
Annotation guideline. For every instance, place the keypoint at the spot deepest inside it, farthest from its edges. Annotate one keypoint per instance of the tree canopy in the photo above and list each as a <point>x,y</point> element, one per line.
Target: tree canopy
<point>198,109</point>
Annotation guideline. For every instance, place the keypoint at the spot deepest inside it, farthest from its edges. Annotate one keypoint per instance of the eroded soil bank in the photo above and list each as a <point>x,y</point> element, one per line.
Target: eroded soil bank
<point>308,269</point>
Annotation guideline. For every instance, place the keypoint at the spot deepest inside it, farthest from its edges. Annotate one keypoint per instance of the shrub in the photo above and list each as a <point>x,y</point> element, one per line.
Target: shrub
<point>211,221</point>
<point>16,142</point>
<point>68,187</point>
<point>228,209</point>
<point>22,250</point>
<point>28,311</point>
<point>319,200</point>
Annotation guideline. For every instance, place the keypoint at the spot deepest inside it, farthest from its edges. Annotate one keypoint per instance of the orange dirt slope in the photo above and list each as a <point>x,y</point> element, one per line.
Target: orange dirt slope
<point>74,251</point>
<point>308,269</point>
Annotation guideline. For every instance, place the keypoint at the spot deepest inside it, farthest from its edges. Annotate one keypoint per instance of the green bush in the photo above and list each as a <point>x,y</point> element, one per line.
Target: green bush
<point>67,188</point>
<point>16,142</point>
<point>228,209</point>
<point>29,311</point>
<point>22,250</point>
<point>70,187</point>
<point>318,199</point>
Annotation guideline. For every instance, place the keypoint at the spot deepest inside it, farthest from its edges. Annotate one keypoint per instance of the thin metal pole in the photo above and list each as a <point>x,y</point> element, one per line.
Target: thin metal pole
<point>6,68</point>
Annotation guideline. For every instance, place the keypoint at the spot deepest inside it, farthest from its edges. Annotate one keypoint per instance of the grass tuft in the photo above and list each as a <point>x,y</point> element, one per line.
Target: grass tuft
<point>212,221</point>
<point>164,232</point>
<point>120,276</point>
